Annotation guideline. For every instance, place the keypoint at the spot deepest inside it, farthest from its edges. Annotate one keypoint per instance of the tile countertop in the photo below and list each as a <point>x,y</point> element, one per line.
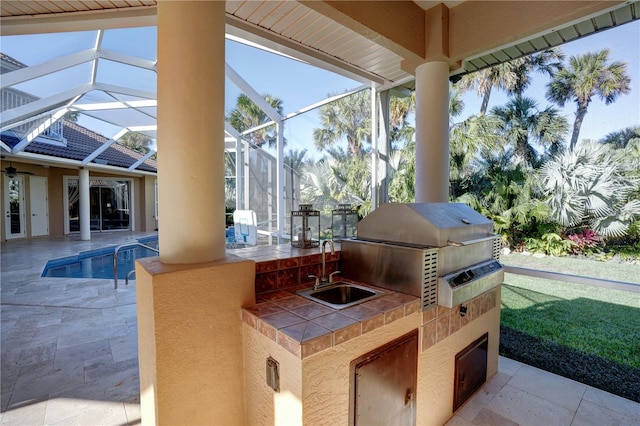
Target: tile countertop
<point>304,327</point>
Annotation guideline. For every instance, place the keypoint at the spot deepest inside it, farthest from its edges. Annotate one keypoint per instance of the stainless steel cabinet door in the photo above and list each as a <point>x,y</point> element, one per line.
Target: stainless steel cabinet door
<point>385,384</point>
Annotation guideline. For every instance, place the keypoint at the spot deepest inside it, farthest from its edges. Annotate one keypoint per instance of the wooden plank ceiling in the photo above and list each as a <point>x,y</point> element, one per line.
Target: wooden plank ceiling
<point>301,31</point>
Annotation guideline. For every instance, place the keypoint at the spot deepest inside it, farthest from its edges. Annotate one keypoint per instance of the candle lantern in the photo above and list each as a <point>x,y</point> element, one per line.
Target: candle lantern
<point>344,222</point>
<point>305,227</point>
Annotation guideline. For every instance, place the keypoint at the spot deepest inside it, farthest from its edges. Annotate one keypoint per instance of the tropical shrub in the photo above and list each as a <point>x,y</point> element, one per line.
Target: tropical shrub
<point>584,241</point>
<point>550,243</point>
<point>509,197</point>
<point>589,187</point>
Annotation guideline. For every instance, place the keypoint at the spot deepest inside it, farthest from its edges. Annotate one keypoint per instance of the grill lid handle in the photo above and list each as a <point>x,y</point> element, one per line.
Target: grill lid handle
<point>470,242</point>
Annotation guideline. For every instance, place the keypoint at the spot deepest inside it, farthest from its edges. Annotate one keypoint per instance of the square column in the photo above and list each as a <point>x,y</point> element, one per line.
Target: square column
<point>190,141</point>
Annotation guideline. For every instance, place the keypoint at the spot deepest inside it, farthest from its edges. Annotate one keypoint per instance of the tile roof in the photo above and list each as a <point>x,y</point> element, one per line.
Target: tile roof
<point>16,63</point>
<point>81,142</point>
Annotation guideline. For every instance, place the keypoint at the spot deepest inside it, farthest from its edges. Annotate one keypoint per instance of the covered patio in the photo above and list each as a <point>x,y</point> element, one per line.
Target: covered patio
<point>70,355</point>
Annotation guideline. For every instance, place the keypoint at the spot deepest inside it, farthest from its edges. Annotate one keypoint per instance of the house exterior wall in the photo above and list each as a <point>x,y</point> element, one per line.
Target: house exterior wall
<point>56,201</point>
<point>149,204</point>
<point>142,190</point>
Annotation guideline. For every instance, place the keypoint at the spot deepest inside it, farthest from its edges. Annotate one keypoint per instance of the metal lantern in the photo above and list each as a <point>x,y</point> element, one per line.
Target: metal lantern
<point>305,227</point>
<point>344,222</point>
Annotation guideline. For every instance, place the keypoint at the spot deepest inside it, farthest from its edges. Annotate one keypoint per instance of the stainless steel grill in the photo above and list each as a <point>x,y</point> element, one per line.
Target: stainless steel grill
<point>445,253</point>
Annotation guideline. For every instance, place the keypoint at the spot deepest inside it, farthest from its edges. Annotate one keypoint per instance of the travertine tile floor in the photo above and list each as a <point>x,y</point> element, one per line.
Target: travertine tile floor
<point>69,355</point>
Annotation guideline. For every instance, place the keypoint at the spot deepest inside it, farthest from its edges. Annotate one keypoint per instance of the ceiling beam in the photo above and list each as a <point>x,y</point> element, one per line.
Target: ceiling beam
<point>396,25</point>
<point>479,26</point>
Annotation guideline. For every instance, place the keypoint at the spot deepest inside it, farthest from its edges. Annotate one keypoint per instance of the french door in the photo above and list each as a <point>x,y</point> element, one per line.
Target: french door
<point>109,204</point>
<point>14,207</point>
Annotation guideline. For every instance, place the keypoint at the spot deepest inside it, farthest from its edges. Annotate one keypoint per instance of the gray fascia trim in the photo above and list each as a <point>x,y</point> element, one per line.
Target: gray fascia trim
<point>77,164</point>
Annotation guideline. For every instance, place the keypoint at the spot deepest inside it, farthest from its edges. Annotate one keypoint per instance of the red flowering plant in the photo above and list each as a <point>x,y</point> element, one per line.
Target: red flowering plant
<point>584,241</point>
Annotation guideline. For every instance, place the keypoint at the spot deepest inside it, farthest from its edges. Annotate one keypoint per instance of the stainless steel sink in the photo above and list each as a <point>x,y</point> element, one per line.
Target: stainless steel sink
<point>340,294</point>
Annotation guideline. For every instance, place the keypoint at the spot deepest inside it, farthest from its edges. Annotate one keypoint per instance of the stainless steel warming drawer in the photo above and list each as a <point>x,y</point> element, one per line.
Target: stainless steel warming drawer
<point>445,253</point>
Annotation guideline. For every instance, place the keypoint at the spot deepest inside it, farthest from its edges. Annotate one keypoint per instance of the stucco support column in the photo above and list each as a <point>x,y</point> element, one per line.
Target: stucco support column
<point>190,342</point>
<point>191,131</point>
<point>85,214</point>
<point>432,132</point>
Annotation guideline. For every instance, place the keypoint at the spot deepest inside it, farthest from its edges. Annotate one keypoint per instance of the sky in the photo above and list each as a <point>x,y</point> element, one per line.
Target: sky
<point>601,119</point>
<point>299,84</point>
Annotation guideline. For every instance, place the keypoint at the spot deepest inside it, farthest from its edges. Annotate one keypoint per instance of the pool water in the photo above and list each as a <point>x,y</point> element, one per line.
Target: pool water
<point>99,263</point>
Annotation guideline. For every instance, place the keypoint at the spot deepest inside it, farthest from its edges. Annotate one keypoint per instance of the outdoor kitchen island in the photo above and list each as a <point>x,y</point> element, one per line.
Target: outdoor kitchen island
<point>303,360</point>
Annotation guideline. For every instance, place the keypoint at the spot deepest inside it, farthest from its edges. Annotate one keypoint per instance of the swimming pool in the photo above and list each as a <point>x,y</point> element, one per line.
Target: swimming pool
<point>99,263</point>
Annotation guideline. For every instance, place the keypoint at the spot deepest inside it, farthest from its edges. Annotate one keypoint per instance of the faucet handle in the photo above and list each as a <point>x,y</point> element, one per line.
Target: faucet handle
<point>332,274</point>
<point>317,283</point>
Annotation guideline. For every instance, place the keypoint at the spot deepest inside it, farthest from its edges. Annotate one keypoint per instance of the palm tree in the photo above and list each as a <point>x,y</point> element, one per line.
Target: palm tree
<point>399,109</point>
<point>522,124</point>
<point>587,76</point>
<point>402,163</point>
<point>247,115</point>
<point>317,183</point>
<point>622,138</point>
<point>468,140</point>
<point>507,194</point>
<point>137,141</point>
<point>348,118</point>
<point>591,186</point>
<point>512,77</point>
<point>295,159</point>
<point>329,182</point>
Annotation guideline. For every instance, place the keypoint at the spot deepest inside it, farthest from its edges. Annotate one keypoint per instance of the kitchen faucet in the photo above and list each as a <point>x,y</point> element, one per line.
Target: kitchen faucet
<point>324,280</point>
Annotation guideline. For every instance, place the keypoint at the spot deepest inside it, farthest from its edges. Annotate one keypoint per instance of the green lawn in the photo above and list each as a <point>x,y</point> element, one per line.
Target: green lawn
<point>626,272</point>
<point>592,320</point>
<point>586,333</point>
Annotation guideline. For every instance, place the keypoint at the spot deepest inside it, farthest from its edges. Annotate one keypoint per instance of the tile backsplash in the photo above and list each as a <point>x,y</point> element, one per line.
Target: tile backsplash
<point>281,267</point>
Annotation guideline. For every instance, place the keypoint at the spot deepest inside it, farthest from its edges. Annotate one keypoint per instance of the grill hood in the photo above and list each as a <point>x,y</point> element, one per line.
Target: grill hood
<point>425,224</point>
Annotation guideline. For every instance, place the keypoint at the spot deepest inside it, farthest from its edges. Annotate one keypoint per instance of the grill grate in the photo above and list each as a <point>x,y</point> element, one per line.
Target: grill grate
<point>430,279</point>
